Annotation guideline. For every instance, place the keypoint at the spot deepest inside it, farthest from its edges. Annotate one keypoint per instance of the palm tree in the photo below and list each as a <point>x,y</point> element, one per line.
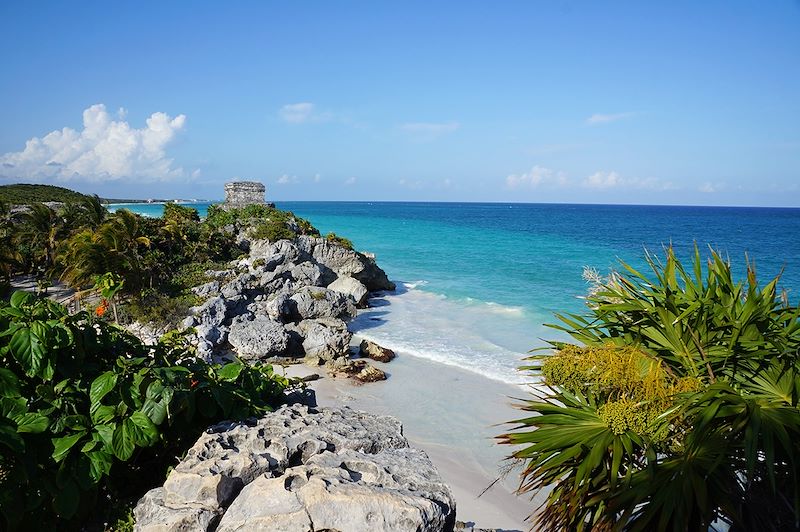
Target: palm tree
<point>123,237</point>
<point>680,408</point>
<point>39,230</point>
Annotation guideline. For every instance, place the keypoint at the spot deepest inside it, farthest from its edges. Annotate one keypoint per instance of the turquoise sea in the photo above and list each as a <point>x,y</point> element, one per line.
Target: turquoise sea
<point>476,282</point>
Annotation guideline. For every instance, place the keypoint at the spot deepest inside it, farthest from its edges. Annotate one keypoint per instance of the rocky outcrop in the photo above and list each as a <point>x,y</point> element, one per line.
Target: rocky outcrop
<point>287,300</point>
<point>301,469</point>
<point>351,287</point>
<point>258,338</point>
<point>375,352</point>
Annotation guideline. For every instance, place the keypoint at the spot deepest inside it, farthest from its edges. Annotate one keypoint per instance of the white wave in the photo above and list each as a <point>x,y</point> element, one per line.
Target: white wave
<point>452,332</point>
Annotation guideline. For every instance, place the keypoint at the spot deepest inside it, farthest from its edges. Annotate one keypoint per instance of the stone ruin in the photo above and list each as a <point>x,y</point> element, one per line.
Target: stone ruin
<point>240,194</point>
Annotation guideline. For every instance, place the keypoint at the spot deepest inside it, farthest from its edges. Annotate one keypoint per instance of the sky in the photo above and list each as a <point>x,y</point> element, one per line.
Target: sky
<point>672,102</point>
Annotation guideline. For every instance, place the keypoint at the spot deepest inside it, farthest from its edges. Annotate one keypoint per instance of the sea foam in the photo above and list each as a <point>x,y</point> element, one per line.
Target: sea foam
<point>468,334</point>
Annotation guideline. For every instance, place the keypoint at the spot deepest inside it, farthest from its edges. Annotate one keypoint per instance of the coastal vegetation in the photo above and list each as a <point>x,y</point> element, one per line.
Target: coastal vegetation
<point>677,409</point>
<point>25,194</point>
<point>89,413</point>
<point>157,259</point>
<point>92,417</point>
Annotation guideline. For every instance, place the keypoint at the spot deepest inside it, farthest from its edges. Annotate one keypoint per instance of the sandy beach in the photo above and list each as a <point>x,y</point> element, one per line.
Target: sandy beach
<point>453,415</point>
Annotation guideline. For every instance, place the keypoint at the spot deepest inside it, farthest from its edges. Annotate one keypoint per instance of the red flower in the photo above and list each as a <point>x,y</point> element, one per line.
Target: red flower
<point>193,383</point>
<point>102,308</point>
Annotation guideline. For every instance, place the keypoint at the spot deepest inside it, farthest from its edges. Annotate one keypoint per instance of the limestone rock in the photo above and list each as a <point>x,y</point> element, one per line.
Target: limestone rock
<point>397,491</point>
<point>325,339</point>
<point>316,302</point>
<point>350,287</point>
<point>303,469</point>
<point>345,261</point>
<point>208,289</point>
<point>156,516</point>
<point>375,352</point>
<point>258,338</point>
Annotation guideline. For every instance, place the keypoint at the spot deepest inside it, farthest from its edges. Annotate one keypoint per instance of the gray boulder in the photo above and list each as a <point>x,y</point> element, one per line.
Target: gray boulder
<point>258,338</point>
<point>303,469</point>
<point>350,287</point>
<point>307,273</point>
<point>265,249</point>
<point>316,302</point>
<point>398,491</point>
<point>324,339</point>
<point>345,261</point>
<point>211,313</point>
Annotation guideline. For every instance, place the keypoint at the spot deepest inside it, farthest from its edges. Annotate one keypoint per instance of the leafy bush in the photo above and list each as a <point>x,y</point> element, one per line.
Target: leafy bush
<point>340,240</point>
<point>681,409</point>
<point>87,412</point>
<point>160,310</point>
<point>272,230</point>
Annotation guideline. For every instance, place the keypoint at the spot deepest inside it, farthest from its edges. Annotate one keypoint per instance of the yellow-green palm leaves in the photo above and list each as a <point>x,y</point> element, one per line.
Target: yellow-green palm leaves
<point>679,410</point>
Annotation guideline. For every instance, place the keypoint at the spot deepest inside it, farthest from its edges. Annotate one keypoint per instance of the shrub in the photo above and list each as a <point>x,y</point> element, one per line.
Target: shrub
<point>89,413</point>
<point>340,240</point>
<point>272,230</point>
<point>680,409</point>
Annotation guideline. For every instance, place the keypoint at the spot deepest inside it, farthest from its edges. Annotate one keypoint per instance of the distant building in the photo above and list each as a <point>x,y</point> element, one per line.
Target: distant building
<point>240,194</point>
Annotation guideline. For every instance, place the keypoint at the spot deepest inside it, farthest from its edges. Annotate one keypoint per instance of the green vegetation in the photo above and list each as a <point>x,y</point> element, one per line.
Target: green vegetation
<point>679,409</point>
<point>158,260</point>
<point>340,240</point>
<point>23,194</point>
<point>90,418</point>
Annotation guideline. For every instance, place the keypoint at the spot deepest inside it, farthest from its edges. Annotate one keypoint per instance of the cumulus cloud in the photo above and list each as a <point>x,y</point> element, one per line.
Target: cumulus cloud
<point>287,179</point>
<point>605,118</point>
<point>104,150</point>
<point>606,180</point>
<point>429,130</point>
<point>537,176</point>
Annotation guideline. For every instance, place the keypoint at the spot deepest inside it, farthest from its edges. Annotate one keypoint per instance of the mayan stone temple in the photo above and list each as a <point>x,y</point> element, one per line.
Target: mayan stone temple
<point>243,193</point>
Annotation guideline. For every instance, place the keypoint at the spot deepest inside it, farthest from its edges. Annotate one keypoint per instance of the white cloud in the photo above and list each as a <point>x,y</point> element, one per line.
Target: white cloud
<point>317,178</point>
<point>429,130</point>
<point>287,179</point>
<point>606,180</point>
<point>350,181</point>
<point>103,150</point>
<point>297,113</point>
<point>605,118</point>
<point>603,180</point>
<point>537,176</point>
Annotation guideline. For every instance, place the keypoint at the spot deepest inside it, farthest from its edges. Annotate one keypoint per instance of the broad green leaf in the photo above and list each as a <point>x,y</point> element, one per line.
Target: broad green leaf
<point>101,386</point>
<point>28,350</point>
<point>20,299</point>
<point>32,422</point>
<point>143,431</point>
<point>230,372</point>
<point>61,446</point>
<point>122,442</point>
<point>103,414</point>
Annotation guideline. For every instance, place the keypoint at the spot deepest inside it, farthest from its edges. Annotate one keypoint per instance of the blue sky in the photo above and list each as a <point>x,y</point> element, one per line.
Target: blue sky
<point>602,102</point>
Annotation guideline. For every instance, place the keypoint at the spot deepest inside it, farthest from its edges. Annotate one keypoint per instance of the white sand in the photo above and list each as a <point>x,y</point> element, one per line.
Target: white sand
<point>453,415</point>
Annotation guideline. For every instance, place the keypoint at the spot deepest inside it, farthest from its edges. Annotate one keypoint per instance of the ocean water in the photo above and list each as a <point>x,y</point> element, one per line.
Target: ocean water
<point>477,282</point>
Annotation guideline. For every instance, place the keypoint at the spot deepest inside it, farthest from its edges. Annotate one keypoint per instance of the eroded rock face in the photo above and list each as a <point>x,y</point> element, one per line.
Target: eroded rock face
<point>324,339</point>
<point>315,302</point>
<point>303,469</point>
<point>258,338</point>
<point>350,287</point>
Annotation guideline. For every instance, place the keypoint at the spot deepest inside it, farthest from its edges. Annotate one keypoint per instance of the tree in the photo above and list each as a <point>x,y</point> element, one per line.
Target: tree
<point>679,409</point>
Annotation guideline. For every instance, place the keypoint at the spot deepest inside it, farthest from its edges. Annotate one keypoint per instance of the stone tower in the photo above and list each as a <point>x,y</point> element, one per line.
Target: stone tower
<point>240,194</point>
